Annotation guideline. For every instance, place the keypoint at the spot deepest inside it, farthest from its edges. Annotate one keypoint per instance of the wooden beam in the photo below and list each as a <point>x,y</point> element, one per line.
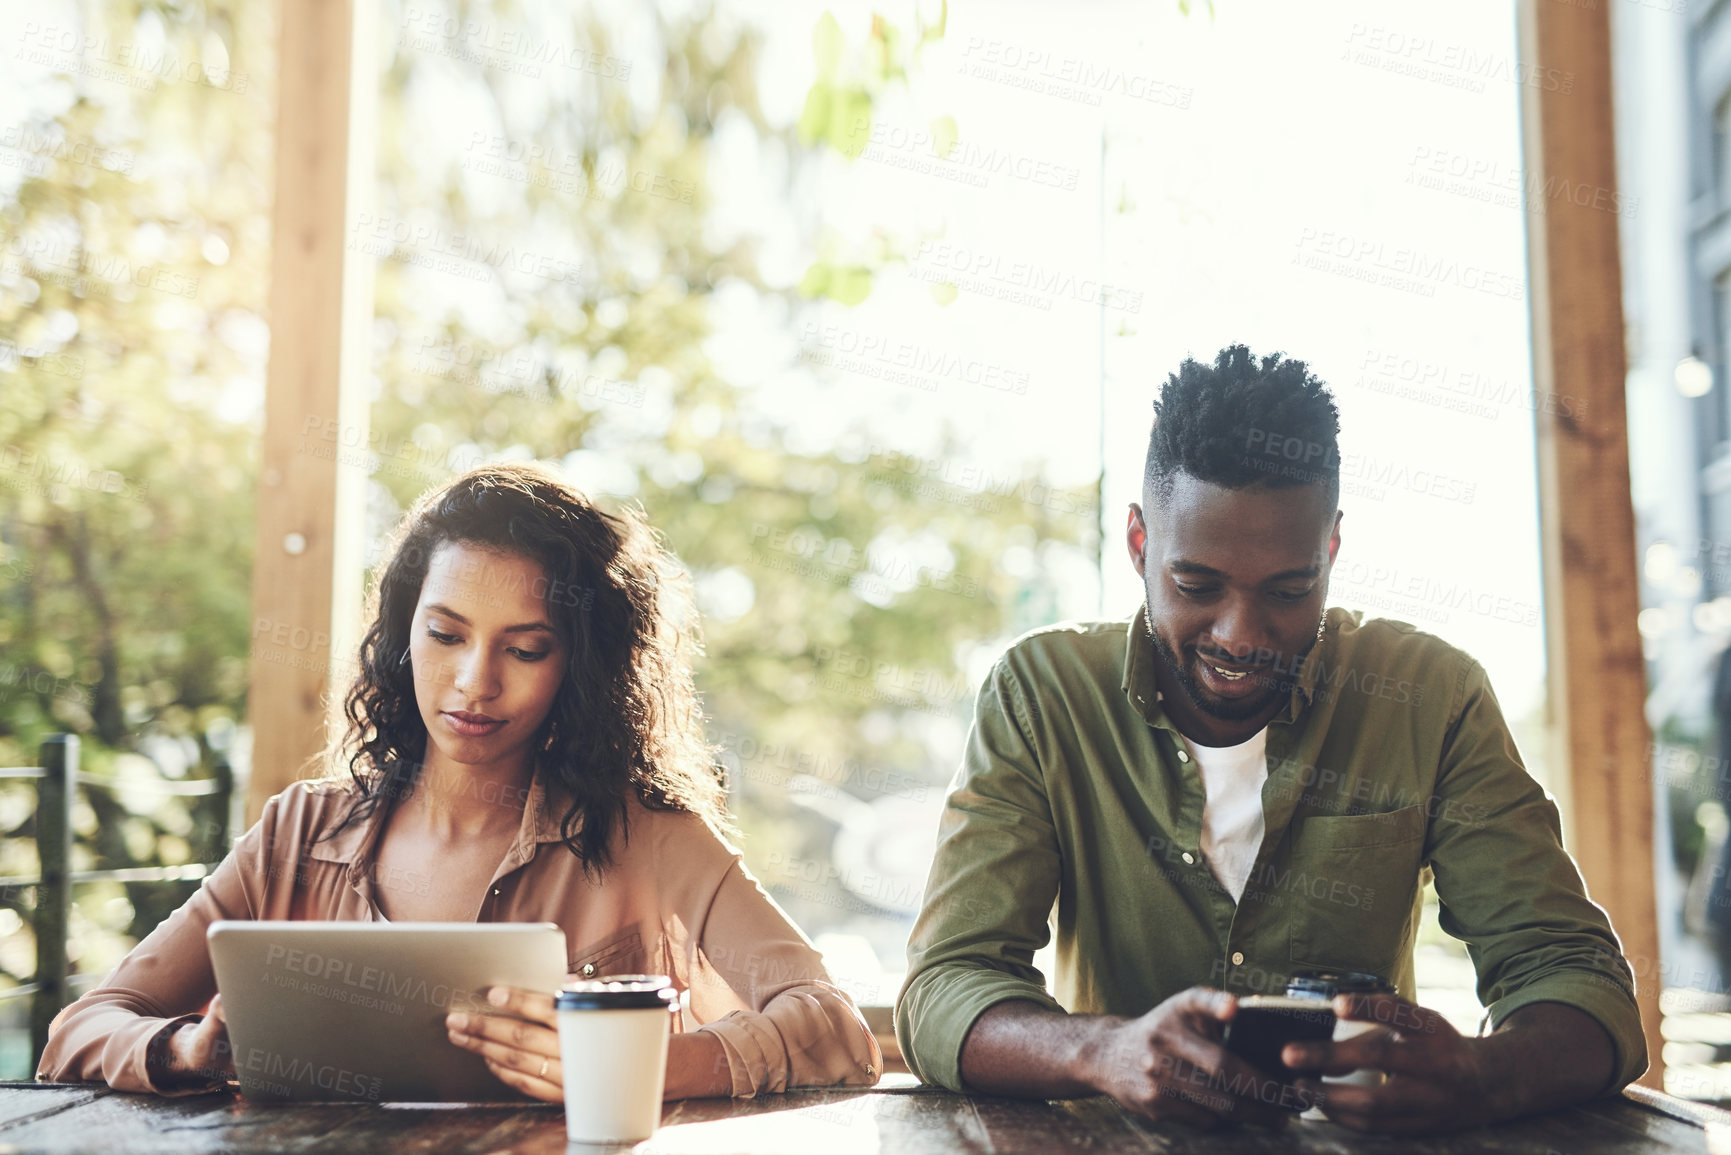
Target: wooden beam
<point>307,553</point>
<point>1597,680</point>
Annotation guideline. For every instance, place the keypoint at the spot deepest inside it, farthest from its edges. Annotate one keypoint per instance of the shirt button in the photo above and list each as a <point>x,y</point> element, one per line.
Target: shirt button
<point>588,969</point>
<point>495,892</point>
<point>1183,756</point>
<point>1189,859</point>
<point>1237,958</point>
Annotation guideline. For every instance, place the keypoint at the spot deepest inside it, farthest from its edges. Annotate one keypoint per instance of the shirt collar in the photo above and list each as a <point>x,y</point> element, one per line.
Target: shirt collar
<point>1141,687</point>
<point>542,815</point>
<point>1139,684</point>
<point>1304,686</point>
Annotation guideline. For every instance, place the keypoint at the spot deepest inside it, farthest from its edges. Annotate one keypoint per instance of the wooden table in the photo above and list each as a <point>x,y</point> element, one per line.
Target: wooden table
<point>894,1119</point>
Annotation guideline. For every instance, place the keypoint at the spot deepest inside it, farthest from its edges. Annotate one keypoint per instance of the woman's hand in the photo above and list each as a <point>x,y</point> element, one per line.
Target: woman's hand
<point>520,1041</point>
<point>697,1067</point>
<point>199,1052</point>
<point>521,1046</point>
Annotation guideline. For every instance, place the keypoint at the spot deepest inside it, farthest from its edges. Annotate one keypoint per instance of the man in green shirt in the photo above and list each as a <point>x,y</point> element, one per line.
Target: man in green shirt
<point>1234,786</point>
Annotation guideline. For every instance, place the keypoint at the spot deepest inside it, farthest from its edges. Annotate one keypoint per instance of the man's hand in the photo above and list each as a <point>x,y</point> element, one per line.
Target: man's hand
<point>1436,1079</point>
<point>1170,1064</point>
<point>1544,1056</point>
<point>199,1052</point>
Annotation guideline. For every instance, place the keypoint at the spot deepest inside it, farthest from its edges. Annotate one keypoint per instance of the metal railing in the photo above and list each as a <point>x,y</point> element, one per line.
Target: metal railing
<point>57,780</point>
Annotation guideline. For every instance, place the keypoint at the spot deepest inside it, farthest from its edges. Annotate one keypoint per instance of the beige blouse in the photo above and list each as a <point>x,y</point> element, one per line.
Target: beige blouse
<point>677,900</point>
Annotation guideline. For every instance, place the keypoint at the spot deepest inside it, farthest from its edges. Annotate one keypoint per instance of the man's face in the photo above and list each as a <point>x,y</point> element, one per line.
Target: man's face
<point>1236,582</point>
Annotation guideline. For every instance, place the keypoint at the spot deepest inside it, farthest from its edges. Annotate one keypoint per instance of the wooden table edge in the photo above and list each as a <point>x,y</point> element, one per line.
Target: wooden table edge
<point>1702,1115</point>
<point>1697,1114</point>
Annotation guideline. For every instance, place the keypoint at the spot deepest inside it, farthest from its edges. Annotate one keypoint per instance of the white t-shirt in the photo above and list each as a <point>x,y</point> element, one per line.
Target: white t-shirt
<point>1232,826</point>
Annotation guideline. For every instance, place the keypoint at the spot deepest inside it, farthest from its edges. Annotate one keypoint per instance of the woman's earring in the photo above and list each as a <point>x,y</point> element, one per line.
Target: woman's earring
<point>405,660</point>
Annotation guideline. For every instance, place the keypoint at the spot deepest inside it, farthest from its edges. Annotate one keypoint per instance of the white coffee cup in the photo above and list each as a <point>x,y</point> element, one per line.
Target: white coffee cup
<point>613,1049</point>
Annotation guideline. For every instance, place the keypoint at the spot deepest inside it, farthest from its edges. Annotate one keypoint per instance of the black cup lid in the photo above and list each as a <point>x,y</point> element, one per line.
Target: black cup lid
<point>1327,984</point>
<point>618,993</point>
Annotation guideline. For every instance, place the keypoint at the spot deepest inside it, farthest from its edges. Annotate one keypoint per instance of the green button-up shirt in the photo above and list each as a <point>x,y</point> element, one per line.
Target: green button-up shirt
<point>1077,811</point>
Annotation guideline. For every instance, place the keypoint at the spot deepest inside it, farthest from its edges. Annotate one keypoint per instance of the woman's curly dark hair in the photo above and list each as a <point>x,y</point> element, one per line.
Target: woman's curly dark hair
<point>626,716</point>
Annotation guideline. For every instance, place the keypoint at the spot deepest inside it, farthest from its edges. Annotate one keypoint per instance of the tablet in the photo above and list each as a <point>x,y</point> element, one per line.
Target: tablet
<point>355,1011</point>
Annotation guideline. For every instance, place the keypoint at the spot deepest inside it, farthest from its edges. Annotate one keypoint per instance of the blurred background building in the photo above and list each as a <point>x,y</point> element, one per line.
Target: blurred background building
<point>1673,75</point>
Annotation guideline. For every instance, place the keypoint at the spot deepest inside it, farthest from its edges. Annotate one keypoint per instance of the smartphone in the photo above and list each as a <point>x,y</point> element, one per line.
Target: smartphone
<point>1264,1025</point>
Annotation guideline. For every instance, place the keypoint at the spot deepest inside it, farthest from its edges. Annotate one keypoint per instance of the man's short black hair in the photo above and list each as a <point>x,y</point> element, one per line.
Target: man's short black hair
<point>1243,421</point>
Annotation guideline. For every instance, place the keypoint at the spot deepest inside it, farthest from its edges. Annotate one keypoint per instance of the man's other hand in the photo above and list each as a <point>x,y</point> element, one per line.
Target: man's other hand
<point>1435,1078</point>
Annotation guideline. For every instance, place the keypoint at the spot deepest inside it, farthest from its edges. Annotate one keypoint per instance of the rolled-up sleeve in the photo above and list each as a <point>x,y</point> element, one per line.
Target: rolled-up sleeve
<point>1509,890</point>
<point>105,1036</point>
<point>760,987</point>
<point>993,881</point>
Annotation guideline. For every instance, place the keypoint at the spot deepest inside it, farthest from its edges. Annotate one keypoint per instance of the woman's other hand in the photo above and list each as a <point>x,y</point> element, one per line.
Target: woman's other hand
<point>519,1041</point>
<point>199,1052</point>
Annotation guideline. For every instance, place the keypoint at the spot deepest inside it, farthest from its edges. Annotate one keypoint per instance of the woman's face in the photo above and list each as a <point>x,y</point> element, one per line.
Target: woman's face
<point>487,661</point>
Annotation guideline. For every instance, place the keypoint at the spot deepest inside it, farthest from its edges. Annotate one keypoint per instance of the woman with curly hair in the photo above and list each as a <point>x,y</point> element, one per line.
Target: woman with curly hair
<point>524,744</point>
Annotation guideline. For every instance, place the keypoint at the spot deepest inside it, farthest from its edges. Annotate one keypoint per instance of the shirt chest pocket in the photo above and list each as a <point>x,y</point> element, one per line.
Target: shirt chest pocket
<point>1350,887</point>
<point>619,955</point>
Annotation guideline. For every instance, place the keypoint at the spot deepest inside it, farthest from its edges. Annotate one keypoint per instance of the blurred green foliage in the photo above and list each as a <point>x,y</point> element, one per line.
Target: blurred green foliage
<point>838,115</point>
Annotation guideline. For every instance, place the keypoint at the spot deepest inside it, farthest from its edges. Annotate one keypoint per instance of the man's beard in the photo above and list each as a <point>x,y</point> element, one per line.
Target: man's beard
<point>1230,710</point>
